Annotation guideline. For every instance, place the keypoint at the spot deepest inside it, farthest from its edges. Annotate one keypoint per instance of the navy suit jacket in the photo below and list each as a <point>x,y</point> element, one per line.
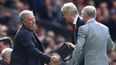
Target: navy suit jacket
<point>79,23</point>
<point>28,50</point>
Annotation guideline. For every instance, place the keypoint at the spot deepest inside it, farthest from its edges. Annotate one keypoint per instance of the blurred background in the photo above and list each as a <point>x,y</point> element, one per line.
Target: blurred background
<point>52,29</point>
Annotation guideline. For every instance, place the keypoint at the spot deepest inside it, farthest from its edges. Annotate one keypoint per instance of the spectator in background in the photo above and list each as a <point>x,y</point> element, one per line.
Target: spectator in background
<point>60,39</point>
<point>112,56</point>
<point>5,14</point>
<point>103,13</point>
<point>50,45</point>
<point>18,7</point>
<point>51,35</point>
<point>14,20</point>
<point>36,5</point>
<point>41,33</point>
<point>51,10</point>
<point>91,2</point>
<point>3,30</point>
<point>6,54</point>
<point>5,42</point>
<point>97,2</point>
<point>112,21</point>
<point>112,24</point>
<point>114,4</point>
<point>80,4</point>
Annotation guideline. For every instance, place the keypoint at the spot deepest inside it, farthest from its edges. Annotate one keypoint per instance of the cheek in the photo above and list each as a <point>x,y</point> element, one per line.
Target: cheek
<point>31,23</point>
<point>83,18</point>
<point>67,18</point>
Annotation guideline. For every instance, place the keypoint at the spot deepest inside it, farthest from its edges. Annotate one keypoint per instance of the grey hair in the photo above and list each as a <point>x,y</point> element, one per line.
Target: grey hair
<point>69,8</point>
<point>6,51</point>
<point>89,11</point>
<point>25,13</point>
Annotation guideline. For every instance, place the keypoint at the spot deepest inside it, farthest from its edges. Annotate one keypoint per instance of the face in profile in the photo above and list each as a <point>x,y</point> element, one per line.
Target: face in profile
<point>85,17</point>
<point>67,17</point>
<point>29,21</point>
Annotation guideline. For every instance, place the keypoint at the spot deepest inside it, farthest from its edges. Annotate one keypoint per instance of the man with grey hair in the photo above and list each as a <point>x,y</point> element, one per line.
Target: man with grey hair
<point>93,41</point>
<point>6,54</point>
<point>28,50</point>
<point>71,14</point>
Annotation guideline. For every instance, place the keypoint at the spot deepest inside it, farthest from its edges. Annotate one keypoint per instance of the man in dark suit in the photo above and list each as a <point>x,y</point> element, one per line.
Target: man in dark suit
<point>71,15</point>
<point>28,50</point>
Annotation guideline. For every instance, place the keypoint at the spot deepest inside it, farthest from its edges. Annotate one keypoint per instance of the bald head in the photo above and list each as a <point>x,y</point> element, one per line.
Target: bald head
<point>89,11</point>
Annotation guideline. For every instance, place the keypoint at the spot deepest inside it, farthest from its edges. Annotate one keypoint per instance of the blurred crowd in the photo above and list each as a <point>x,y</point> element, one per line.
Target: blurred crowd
<point>52,29</point>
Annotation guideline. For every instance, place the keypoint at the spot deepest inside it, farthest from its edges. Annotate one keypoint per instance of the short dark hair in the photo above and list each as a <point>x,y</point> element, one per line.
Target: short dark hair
<point>7,41</point>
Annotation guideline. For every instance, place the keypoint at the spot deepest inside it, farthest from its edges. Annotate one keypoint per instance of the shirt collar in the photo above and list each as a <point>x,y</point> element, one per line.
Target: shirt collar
<point>92,19</point>
<point>75,20</point>
<point>26,28</point>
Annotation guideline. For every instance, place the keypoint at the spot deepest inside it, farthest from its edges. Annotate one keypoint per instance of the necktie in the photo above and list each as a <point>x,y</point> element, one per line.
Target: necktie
<point>73,27</point>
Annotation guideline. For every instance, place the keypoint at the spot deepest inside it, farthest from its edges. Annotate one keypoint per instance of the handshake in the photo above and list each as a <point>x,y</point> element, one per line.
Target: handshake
<point>55,60</point>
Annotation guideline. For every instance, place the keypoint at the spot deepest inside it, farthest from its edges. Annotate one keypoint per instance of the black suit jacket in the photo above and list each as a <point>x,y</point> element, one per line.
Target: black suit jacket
<point>3,62</point>
<point>79,23</point>
<point>27,49</point>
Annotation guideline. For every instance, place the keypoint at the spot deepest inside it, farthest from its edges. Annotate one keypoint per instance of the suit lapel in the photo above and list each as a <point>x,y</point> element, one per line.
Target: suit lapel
<point>39,44</point>
<point>78,24</point>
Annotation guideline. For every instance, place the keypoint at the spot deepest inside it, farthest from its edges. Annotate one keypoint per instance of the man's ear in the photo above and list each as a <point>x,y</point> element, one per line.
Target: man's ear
<point>8,46</point>
<point>23,22</point>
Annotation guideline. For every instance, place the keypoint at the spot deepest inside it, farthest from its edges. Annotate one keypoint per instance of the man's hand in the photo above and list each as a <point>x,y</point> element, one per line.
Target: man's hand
<point>70,44</point>
<point>55,60</point>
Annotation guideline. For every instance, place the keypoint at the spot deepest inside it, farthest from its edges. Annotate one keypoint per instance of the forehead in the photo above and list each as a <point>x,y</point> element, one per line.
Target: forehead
<point>30,16</point>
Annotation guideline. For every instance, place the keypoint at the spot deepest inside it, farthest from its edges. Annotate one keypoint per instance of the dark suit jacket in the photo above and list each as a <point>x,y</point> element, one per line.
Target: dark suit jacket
<point>75,34</point>
<point>78,24</point>
<point>27,49</point>
<point>3,62</point>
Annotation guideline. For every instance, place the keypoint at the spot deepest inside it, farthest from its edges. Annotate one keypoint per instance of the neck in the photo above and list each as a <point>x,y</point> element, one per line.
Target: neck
<point>27,27</point>
<point>89,19</point>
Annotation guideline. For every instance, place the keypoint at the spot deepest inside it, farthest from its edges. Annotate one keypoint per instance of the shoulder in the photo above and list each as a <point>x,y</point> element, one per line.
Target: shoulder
<point>23,32</point>
<point>102,25</point>
<point>83,28</point>
<point>79,21</point>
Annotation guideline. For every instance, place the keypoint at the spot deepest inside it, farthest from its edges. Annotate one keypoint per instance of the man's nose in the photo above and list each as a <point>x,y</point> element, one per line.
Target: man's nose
<point>34,21</point>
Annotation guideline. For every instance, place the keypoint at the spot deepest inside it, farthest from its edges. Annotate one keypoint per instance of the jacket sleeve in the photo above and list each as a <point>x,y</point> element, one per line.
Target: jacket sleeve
<point>79,46</point>
<point>28,44</point>
<point>111,45</point>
